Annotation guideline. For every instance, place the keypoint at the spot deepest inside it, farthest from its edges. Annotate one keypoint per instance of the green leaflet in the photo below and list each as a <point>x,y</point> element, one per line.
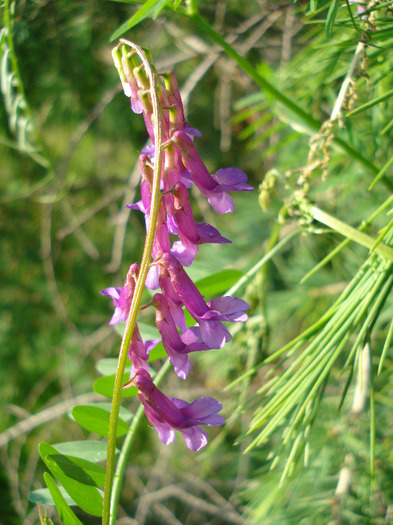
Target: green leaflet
<point>104,386</point>
<point>44,496</point>
<point>219,282</point>
<point>90,450</point>
<point>96,419</point>
<point>85,495</point>
<point>331,17</point>
<point>151,7</point>
<point>65,513</point>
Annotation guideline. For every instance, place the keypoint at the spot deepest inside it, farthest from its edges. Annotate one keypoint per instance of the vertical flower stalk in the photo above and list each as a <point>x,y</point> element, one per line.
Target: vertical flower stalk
<point>169,167</point>
<point>139,285</point>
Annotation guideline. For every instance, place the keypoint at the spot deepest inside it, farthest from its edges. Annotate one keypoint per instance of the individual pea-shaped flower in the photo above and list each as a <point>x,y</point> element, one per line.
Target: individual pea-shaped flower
<point>122,296</point>
<point>177,346</point>
<point>191,234</point>
<point>170,414</point>
<point>209,316</point>
<point>214,187</point>
<point>139,350</point>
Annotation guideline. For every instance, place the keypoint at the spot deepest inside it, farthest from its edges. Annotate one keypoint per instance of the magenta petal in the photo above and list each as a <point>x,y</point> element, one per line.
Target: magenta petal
<point>221,202</point>
<point>112,292</point>
<point>228,305</point>
<point>171,224</point>
<point>150,344</point>
<point>161,240</point>
<point>195,438</point>
<point>179,403</point>
<point>192,132</point>
<point>179,317</point>
<point>184,254</point>
<point>136,106</point>
<point>162,406</point>
<point>207,233</point>
<point>192,335</point>
<point>181,364</point>
<point>139,350</point>
<point>205,411</point>
<point>236,317</point>
<point>137,206</point>
<point>149,150</point>
<point>117,317</point>
<point>228,178</point>
<point>184,286</point>
<point>152,279</point>
<point>165,432</point>
<point>167,415</point>
<point>173,344</point>
<point>186,179</point>
<point>214,333</point>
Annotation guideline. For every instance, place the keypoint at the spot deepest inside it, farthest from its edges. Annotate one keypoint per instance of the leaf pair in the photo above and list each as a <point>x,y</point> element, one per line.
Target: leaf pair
<point>75,465</point>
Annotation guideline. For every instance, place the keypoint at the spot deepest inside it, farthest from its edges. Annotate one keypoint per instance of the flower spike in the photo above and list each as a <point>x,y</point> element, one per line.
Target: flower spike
<point>169,167</point>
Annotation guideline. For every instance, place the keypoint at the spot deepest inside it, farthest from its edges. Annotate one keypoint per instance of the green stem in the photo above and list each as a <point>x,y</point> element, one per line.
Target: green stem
<point>136,300</point>
<point>365,224</point>
<point>372,431</point>
<point>247,276</point>
<point>351,233</point>
<point>126,448</point>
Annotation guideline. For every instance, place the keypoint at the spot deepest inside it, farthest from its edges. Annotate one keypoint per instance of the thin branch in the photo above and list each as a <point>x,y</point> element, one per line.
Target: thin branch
<point>48,414</point>
<point>174,491</point>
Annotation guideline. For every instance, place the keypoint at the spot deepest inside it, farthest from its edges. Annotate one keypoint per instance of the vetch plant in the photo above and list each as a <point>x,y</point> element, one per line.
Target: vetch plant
<point>169,167</point>
<point>274,73</point>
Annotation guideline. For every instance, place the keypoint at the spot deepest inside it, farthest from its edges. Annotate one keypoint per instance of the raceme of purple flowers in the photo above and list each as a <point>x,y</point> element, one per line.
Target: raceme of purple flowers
<point>181,168</point>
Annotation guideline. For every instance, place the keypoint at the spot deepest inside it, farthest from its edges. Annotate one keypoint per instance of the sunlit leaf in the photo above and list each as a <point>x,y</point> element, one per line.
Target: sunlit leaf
<point>218,283</point>
<point>65,513</point>
<point>96,419</point>
<point>105,386</point>
<point>44,497</point>
<point>79,469</point>
<point>151,7</point>
<point>107,366</point>
<point>331,17</point>
<point>90,450</point>
<point>86,496</point>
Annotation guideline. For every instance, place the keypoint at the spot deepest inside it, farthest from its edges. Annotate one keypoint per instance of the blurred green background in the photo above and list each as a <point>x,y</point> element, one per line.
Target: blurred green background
<point>69,147</point>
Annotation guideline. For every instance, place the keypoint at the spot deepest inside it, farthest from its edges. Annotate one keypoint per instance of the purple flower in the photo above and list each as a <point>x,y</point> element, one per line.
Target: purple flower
<point>228,179</point>
<point>209,317</point>
<point>214,187</point>
<point>184,250</point>
<point>122,296</point>
<point>230,308</point>
<point>147,179</point>
<point>168,415</point>
<point>180,168</point>
<point>191,234</point>
<point>177,346</point>
<point>139,351</point>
